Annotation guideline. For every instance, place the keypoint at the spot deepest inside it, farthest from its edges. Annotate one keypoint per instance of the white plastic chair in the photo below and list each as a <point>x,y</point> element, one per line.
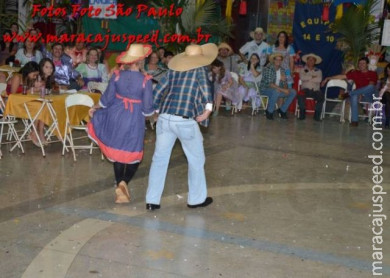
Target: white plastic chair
<point>342,84</point>
<point>101,86</point>
<point>70,101</point>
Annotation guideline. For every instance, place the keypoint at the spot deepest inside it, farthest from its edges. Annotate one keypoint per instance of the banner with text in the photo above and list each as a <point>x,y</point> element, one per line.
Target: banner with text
<point>108,8</point>
<point>312,35</point>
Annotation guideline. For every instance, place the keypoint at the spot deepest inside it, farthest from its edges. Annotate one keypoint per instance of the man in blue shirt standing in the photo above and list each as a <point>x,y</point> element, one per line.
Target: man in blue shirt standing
<point>183,98</point>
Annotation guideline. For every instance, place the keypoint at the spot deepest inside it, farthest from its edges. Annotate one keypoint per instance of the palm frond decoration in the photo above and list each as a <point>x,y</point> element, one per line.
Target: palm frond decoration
<point>196,14</point>
<point>357,30</point>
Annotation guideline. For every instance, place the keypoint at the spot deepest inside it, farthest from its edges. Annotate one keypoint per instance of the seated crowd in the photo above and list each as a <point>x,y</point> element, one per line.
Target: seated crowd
<point>258,70</point>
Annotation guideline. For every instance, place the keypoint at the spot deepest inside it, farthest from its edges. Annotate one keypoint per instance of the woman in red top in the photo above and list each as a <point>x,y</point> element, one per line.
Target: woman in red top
<point>26,76</point>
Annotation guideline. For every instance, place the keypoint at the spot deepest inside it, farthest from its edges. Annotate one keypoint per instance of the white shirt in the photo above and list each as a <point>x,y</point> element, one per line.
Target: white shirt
<point>252,47</point>
<point>277,82</point>
<point>23,59</point>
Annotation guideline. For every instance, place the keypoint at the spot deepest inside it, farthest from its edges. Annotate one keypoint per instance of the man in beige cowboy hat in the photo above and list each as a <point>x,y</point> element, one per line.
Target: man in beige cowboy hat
<point>274,85</point>
<point>183,98</point>
<point>311,78</point>
<point>227,57</point>
<point>257,45</point>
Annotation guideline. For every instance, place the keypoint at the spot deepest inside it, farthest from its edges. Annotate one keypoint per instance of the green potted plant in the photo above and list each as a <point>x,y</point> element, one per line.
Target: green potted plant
<point>357,30</point>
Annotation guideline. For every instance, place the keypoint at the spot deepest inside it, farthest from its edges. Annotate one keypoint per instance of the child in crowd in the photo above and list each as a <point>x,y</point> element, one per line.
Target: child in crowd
<point>250,77</point>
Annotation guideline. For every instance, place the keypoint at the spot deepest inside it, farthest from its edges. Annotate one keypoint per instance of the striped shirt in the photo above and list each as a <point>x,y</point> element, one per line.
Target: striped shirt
<point>183,93</point>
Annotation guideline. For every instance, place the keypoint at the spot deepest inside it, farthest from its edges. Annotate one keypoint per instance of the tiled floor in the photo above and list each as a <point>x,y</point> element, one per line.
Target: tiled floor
<point>291,199</point>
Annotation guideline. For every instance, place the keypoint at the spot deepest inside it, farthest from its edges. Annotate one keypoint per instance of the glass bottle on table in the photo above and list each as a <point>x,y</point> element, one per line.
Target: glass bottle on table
<point>24,89</point>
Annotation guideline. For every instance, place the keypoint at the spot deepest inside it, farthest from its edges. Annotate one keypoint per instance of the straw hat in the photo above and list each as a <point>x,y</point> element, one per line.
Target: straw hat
<point>318,58</point>
<point>226,46</point>
<point>257,30</point>
<point>135,53</point>
<point>274,55</point>
<point>195,56</point>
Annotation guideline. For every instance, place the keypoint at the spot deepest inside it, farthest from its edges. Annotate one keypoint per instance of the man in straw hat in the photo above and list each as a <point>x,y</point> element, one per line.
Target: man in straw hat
<point>183,98</point>
<point>311,78</point>
<point>227,57</point>
<point>257,45</point>
<point>274,85</point>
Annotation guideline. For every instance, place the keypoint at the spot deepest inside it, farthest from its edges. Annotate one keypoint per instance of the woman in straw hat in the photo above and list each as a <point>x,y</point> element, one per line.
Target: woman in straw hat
<point>119,126</point>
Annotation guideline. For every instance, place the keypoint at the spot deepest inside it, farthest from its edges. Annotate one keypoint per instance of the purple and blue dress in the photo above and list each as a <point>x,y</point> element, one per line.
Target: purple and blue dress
<point>119,127</point>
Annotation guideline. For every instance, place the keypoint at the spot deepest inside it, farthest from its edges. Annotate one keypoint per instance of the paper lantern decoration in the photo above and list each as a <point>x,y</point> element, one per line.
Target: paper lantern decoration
<point>228,13</point>
<point>243,8</point>
<point>325,13</point>
<point>339,11</point>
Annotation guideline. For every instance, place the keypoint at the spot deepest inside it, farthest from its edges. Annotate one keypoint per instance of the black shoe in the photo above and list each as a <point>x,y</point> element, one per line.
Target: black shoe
<point>317,116</point>
<point>283,115</point>
<point>152,206</point>
<point>206,202</point>
<point>302,114</point>
<point>269,115</point>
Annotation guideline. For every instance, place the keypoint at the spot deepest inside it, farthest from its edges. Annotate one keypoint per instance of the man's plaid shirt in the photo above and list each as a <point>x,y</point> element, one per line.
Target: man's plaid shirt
<point>269,77</point>
<point>183,93</point>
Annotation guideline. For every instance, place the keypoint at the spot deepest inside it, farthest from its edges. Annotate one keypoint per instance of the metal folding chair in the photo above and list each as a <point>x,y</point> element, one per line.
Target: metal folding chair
<point>342,84</point>
<point>367,105</point>
<point>10,123</point>
<point>72,101</point>
<point>297,110</point>
<point>254,109</point>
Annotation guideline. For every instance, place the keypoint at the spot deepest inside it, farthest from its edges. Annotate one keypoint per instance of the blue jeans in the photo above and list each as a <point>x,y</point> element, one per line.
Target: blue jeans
<point>273,96</point>
<point>367,92</point>
<point>168,129</point>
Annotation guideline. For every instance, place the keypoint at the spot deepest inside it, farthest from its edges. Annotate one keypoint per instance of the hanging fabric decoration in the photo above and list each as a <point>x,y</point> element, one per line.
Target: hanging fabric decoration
<point>243,8</point>
<point>228,13</point>
<point>199,2</point>
<point>339,11</point>
<point>325,12</point>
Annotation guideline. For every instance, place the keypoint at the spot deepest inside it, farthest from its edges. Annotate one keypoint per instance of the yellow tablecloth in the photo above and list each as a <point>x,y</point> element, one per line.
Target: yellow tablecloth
<point>15,107</point>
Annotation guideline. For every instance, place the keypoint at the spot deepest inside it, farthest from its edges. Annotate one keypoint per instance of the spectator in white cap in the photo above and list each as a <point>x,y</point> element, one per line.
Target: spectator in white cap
<point>257,45</point>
